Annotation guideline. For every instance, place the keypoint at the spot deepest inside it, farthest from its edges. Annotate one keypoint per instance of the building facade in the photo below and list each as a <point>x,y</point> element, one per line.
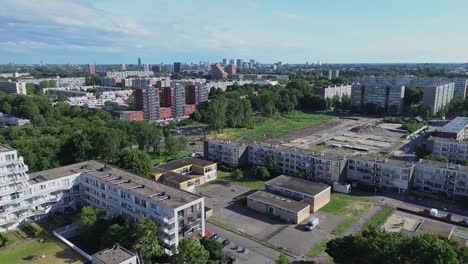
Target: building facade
<point>233,154</point>
<point>217,72</point>
<point>455,151</point>
<point>13,87</point>
<point>147,100</point>
<point>457,129</point>
<point>386,93</point>
<point>438,95</point>
<point>335,91</point>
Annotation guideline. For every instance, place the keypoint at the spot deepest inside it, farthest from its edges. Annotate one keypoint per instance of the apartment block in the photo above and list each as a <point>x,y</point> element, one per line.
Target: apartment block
<point>217,72</point>
<point>143,82</point>
<point>125,74</point>
<point>438,95</point>
<point>186,174</point>
<point>177,67</point>
<point>147,100</point>
<point>91,69</point>
<point>231,69</point>
<point>446,179</point>
<point>457,129</point>
<point>385,93</point>
<point>380,173</point>
<point>335,91</point>
<point>13,87</point>
<point>130,115</point>
<point>454,150</point>
<point>234,154</point>
<point>315,194</point>
<point>26,198</point>
<point>317,166</point>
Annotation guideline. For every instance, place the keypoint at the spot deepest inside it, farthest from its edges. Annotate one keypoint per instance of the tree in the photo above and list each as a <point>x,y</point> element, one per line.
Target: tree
<point>262,173</point>
<point>89,215</point>
<point>135,161</point>
<point>147,234</point>
<point>116,233</point>
<point>214,247</point>
<point>282,259</point>
<point>174,145</point>
<point>131,102</point>
<point>190,251</point>
<point>237,174</point>
<point>44,84</point>
<point>4,240</point>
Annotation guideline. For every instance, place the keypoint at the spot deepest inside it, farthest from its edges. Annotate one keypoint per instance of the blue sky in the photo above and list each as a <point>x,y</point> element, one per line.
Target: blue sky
<point>295,31</point>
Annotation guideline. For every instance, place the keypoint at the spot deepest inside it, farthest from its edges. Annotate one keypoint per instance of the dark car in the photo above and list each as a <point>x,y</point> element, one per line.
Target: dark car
<point>215,236</point>
<point>449,217</point>
<point>226,243</point>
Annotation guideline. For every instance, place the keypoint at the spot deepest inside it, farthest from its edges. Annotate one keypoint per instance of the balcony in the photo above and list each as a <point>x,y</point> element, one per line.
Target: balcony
<point>163,219</point>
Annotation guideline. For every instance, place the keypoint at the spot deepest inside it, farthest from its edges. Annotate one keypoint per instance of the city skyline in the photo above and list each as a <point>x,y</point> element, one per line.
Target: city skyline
<point>361,31</point>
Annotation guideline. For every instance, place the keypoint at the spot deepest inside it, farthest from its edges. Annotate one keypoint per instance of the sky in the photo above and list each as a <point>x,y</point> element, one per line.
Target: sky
<point>294,31</point>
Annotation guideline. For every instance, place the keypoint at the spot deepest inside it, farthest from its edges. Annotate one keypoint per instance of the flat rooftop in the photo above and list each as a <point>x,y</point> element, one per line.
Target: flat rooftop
<point>228,142</point>
<point>448,140</point>
<point>443,165</point>
<point>335,156</point>
<point>278,201</point>
<point>177,178</point>
<point>158,192</point>
<point>114,255</point>
<point>456,124</point>
<point>393,162</point>
<point>298,185</point>
<point>177,164</point>
<point>4,148</point>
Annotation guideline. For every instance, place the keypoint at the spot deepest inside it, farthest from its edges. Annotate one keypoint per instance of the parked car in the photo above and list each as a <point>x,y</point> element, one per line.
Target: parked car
<point>226,243</point>
<point>312,223</point>
<point>449,217</point>
<point>465,221</point>
<point>215,236</point>
<point>208,233</point>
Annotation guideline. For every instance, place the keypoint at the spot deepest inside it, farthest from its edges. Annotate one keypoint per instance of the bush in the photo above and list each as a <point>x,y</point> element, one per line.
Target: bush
<point>3,240</point>
<point>237,175</point>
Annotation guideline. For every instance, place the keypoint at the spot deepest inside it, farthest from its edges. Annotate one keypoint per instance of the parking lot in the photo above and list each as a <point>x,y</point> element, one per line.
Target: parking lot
<point>294,238</point>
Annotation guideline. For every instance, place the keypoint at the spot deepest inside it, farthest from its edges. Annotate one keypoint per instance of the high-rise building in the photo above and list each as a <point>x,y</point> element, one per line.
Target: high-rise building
<point>239,63</point>
<point>330,74</point>
<point>231,61</point>
<point>335,91</point>
<point>437,95</point>
<point>147,100</point>
<point>385,93</point>
<point>231,69</point>
<point>224,62</point>
<point>146,67</point>
<point>139,62</point>
<point>177,67</point>
<point>91,69</point>
<point>123,67</point>
<point>13,87</point>
<point>156,68</point>
<point>337,73</point>
<point>217,72</point>
<point>252,63</point>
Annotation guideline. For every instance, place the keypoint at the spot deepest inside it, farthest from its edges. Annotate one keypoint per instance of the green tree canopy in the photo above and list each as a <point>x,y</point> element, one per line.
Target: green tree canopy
<point>190,251</point>
<point>135,161</point>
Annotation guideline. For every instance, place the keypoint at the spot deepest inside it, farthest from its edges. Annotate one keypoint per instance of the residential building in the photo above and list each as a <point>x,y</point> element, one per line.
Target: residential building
<point>146,67</point>
<point>111,81</point>
<point>147,100</point>
<point>438,95</point>
<point>91,69</point>
<point>143,82</point>
<point>123,67</point>
<point>337,73</point>
<point>130,115</point>
<point>217,72</point>
<point>335,91</point>
<point>225,62</point>
<point>330,74</point>
<point>386,93</point>
<point>231,61</point>
<point>177,67</point>
<point>70,82</point>
<point>454,150</point>
<point>115,255</point>
<point>231,69</point>
<point>156,68</point>
<point>234,154</point>
<point>457,129</point>
<point>126,74</point>
<point>13,120</point>
<point>380,173</point>
<point>317,166</point>
<point>279,207</point>
<point>13,87</point>
<point>315,194</point>
<point>449,180</point>
<point>239,63</point>
<point>186,174</point>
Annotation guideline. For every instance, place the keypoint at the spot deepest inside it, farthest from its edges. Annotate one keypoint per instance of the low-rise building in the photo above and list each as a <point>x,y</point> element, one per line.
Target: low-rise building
<point>130,115</point>
<point>457,129</point>
<point>450,180</point>
<point>13,87</point>
<point>315,194</point>
<point>13,120</point>
<point>115,255</point>
<point>277,206</point>
<point>380,172</point>
<point>234,154</point>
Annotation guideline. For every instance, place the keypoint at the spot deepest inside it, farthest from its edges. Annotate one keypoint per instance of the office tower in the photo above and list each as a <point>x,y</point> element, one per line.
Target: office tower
<point>224,62</point>
<point>337,73</point>
<point>146,67</point>
<point>385,93</point>
<point>239,63</point>
<point>217,72</point>
<point>330,74</point>
<point>91,69</point>
<point>13,87</point>
<point>231,61</point>
<point>437,95</point>
<point>231,69</point>
<point>177,67</point>
<point>156,68</point>
<point>147,100</point>
<point>123,67</point>
<point>139,62</point>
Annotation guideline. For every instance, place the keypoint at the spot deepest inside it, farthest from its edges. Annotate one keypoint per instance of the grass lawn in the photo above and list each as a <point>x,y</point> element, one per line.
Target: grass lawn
<point>275,125</point>
<point>163,158</point>
<point>379,218</point>
<point>55,253</point>
<point>247,183</point>
<point>319,247</point>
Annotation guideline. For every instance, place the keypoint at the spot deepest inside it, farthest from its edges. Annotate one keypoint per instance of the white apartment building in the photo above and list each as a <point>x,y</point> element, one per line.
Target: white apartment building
<point>455,151</point>
<point>380,173</point>
<point>441,178</point>
<point>26,198</point>
<point>318,166</point>
<point>335,91</point>
<point>91,101</point>
<point>231,153</point>
<point>125,74</point>
<point>438,95</point>
<point>385,93</point>
<point>60,82</point>
<point>457,129</point>
<point>13,87</point>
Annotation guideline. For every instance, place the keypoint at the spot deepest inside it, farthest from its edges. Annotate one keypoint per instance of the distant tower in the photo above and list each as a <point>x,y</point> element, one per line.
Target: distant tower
<point>231,61</point>
<point>239,64</point>
<point>91,69</point>
<point>224,62</point>
<point>337,73</point>
<point>330,74</point>
<point>146,67</point>
<point>123,67</point>
<point>139,62</point>
<point>177,67</point>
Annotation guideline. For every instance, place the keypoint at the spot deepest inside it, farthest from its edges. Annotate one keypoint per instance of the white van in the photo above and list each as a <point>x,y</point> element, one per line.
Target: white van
<point>312,223</point>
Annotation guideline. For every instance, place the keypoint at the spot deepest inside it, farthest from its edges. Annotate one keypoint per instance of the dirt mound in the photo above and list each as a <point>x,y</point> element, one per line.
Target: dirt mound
<point>373,130</point>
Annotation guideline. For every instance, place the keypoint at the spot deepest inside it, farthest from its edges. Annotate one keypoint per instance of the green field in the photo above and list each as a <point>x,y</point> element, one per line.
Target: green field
<point>273,126</point>
<point>55,252</point>
<point>379,218</point>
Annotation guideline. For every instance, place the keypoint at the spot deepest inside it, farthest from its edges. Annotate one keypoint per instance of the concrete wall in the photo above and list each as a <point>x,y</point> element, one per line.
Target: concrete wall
<point>321,200</point>
<point>278,212</point>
